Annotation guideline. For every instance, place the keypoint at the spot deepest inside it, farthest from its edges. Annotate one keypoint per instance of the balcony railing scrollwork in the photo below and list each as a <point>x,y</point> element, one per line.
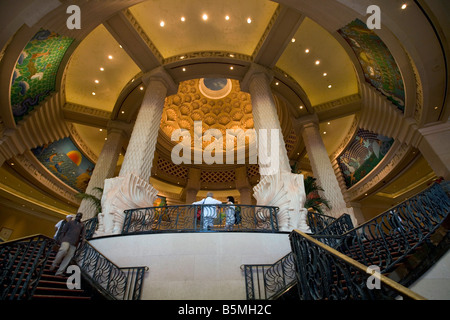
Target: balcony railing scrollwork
<point>191,218</point>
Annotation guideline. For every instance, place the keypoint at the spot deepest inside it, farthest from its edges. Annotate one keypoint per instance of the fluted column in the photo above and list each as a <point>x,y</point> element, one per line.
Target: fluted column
<point>243,185</point>
<point>278,186</point>
<point>193,185</point>
<point>106,164</point>
<point>132,189</point>
<point>321,165</point>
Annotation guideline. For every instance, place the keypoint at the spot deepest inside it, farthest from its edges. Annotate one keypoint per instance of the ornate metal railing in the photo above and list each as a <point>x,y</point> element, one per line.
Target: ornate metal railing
<point>326,274</point>
<point>269,281</point>
<point>22,262</point>
<point>192,218</point>
<point>388,238</point>
<point>112,281</point>
<point>90,226</point>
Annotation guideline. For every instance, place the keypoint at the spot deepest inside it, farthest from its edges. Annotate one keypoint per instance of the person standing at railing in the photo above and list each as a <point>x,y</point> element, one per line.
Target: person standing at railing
<point>229,211</point>
<point>209,213</point>
<point>72,234</point>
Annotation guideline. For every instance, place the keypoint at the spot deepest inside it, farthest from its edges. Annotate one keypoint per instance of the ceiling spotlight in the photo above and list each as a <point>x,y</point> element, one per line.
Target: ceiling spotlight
<point>96,81</point>
<point>184,69</point>
<point>249,20</point>
<point>277,83</point>
<point>102,69</point>
<point>307,50</point>
<point>324,132</point>
<point>404,6</point>
<point>317,62</point>
<point>205,17</point>
<point>100,129</point>
<point>110,57</point>
<point>183,19</point>
<point>123,112</point>
<point>301,107</point>
<point>93,93</point>
<point>162,23</point>
<point>120,46</point>
<point>329,86</point>
<point>324,74</point>
<point>227,18</point>
<point>293,40</point>
<point>231,68</point>
<point>141,88</point>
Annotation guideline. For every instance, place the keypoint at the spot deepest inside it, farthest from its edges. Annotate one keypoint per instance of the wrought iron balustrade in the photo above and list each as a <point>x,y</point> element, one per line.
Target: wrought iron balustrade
<point>399,230</point>
<point>191,218</point>
<point>22,262</point>
<point>324,273</point>
<point>269,281</point>
<point>90,226</point>
<point>114,282</point>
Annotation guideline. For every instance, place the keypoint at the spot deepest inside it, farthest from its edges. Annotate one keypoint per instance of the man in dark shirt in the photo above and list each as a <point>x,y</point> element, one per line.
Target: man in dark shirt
<point>71,234</point>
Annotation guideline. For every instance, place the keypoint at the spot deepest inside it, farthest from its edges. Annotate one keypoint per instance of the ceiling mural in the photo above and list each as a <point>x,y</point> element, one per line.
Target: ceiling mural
<point>65,161</point>
<point>34,75</point>
<point>362,155</point>
<point>377,62</point>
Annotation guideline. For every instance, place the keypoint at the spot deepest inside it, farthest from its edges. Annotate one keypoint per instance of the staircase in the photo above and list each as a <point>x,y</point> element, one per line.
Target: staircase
<point>403,243</point>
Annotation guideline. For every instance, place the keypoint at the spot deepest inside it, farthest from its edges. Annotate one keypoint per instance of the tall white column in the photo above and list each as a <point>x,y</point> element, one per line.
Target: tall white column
<point>132,189</point>
<point>106,165</point>
<point>321,166</point>
<point>279,188</point>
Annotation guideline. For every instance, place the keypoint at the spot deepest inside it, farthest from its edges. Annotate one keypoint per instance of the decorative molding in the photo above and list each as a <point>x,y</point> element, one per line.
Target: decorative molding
<point>269,27</point>
<point>182,58</point>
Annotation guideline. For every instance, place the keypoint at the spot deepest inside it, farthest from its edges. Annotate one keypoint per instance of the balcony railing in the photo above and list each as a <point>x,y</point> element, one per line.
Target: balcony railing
<point>192,218</point>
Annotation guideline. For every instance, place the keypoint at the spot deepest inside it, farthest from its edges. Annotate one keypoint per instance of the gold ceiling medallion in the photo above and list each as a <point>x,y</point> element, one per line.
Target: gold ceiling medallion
<point>215,88</point>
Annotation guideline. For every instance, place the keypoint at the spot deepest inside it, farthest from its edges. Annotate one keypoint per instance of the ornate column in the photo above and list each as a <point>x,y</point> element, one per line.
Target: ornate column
<point>278,186</point>
<point>118,133</point>
<point>131,189</point>
<point>321,166</point>
<point>243,185</point>
<point>434,147</point>
<point>193,185</point>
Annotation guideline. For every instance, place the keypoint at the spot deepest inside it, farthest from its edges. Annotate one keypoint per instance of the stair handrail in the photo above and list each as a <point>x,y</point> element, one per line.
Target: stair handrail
<point>325,273</point>
<point>114,282</point>
<point>412,220</point>
<point>16,285</point>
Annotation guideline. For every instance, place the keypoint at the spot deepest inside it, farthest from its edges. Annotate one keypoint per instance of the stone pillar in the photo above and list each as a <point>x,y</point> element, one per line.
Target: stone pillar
<point>131,189</point>
<point>434,147</point>
<point>321,166</point>
<point>118,133</point>
<point>278,186</point>
<point>243,185</point>
<point>193,185</point>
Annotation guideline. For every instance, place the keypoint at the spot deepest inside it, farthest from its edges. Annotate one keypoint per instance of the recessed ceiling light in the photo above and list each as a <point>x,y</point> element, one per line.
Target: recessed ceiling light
<point>324,132</point>
<point>106,138</point>
<point>93,93</point>
<point>227,18</point>
<point>293,40</point>
<point>110,57</point>
<point>123,112</point>
<point>404,6</point>
<point>184,69</point>
<point>182,57</point>
<point>277,83</point>
<point>307,50</point>
<point>205,17</point>
<point>324,74</point>
<point>301,107</point>
<point>141,88</point>
<point>120,46</point>
<point>102,69</point>
<point>329,86</point>
<point>328,123</point>
<point>100,129</point>
<point>183,19</point>
<point>162,23</point>
<point>96,81</point>
<point>317,62</point>
<point>231,68</point>
<point>249,20</point>
<point>231,55</point>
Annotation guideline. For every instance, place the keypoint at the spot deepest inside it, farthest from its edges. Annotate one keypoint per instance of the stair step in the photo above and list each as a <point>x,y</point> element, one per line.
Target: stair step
<point>49,296</point>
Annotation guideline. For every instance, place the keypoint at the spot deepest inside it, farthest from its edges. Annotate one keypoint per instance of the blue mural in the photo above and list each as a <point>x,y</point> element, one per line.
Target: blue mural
<point>66,162</point>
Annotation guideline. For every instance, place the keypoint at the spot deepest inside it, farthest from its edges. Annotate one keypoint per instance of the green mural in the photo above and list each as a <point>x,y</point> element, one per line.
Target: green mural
<point>362,155</point>
<point>377,62</point>
<point>34,76</point>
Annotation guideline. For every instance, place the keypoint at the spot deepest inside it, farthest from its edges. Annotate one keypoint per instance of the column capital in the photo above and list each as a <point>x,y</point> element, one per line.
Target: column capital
<point>121,127</point>
<point>254,71</point>
<point>160,74</point>
<point>311,120</point>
